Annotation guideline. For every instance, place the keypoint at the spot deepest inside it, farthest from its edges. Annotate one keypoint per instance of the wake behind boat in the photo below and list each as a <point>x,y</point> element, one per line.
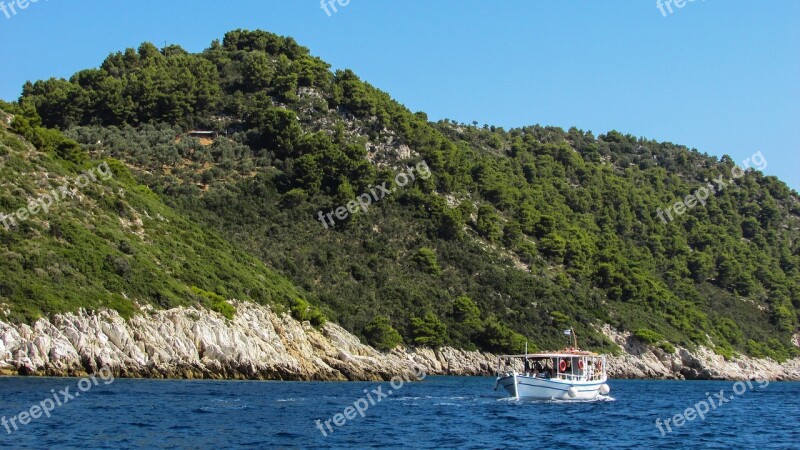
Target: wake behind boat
<point>570,374</point>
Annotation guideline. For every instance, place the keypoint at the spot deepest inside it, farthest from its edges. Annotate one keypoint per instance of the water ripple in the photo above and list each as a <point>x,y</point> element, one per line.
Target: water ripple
<point>442,412</point>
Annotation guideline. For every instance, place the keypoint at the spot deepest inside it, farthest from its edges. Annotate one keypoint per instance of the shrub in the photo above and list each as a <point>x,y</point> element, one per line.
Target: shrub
<point>553,246</point>
<point>428,330</point>
<point>215,302</point>
<point>488,224</point>
<point>724,350</point>
<point>50,140</point>
<point>467,318</point>
<point>118,265</point>
<point>647,336</point>
<point>498,337</point>
<point>667,347</point>
<point>426,259</point>
<point>381,335</point>
<point>304,311</point>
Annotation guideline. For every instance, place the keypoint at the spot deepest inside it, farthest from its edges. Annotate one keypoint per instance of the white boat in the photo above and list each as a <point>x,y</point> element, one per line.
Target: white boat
<point>570,374</point>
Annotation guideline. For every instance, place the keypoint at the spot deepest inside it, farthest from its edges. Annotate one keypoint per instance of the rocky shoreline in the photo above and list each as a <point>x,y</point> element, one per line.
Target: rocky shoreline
<point>194,343</point>
<point>260,344</point>
<point>643,362</point>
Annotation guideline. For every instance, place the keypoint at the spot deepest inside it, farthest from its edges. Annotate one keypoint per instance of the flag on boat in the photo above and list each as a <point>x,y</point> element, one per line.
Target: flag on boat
<point>568,332</point>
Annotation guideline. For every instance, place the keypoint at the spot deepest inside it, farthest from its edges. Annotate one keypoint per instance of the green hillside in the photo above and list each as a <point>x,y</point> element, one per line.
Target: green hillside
<point>517,234</point>
<point>89,237</point>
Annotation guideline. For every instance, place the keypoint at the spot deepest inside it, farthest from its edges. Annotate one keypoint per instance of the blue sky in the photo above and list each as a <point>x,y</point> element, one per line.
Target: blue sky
<point>719,76</point>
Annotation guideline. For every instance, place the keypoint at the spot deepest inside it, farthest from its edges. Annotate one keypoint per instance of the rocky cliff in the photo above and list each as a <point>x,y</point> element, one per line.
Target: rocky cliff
<point>192,343</point>
<point>641,361</point>
<point>261,344</point>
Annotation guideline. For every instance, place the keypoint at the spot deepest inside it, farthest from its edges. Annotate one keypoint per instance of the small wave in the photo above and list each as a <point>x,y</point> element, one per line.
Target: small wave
<point>285,434</point>
<point>225,400</point>
<point>101,393</point>
<point>142,425</point>
<point>235,407</point>
<point>599,398</point>
<point>430,397</point>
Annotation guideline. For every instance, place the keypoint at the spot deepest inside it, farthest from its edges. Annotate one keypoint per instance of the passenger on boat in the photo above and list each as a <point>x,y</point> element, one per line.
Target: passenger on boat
<point>546,373</point>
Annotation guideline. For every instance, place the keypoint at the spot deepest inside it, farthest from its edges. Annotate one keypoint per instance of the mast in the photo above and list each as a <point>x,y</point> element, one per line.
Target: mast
<point>525,363</point>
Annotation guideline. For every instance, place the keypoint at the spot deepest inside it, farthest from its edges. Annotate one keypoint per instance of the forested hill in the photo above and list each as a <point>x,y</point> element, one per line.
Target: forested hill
<point>517,234</point>
<point>79,232</point>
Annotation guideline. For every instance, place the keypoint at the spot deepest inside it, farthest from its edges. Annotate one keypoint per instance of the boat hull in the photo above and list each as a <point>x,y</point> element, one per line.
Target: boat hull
<point>534,388</point>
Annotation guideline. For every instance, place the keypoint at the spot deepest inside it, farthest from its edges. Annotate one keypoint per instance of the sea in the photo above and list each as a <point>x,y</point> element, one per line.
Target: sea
<point>438,412</point>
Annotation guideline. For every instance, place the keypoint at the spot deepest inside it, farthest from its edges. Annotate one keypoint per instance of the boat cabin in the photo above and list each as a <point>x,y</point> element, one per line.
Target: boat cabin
<point>569,366</point>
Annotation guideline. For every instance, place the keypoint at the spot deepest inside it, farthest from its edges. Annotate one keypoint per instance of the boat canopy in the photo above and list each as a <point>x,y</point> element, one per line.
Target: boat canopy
<point>562,354</point>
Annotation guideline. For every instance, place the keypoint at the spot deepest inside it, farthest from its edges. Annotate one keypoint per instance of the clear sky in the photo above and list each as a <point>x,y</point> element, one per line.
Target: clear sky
<point>722,76</point>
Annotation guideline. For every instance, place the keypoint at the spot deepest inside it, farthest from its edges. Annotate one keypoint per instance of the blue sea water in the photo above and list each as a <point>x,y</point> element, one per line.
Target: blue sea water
<point>440,412</point>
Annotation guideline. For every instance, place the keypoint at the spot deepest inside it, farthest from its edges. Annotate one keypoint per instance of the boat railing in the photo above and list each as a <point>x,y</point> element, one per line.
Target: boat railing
<point>594,376</point>
<point>579,377</point>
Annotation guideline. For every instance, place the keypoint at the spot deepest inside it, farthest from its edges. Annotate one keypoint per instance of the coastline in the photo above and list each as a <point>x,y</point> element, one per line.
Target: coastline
<point>639,361</point>
<point>259,344</point>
